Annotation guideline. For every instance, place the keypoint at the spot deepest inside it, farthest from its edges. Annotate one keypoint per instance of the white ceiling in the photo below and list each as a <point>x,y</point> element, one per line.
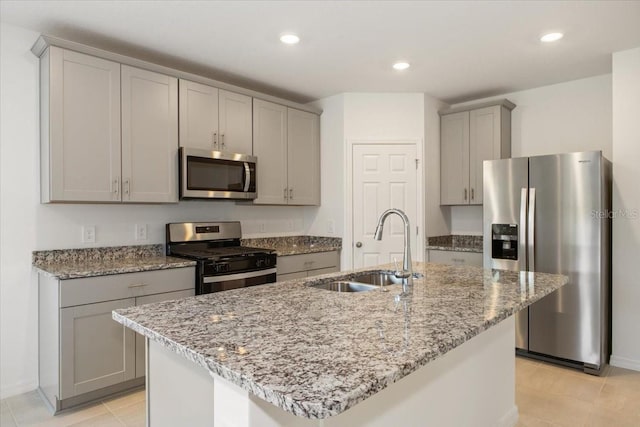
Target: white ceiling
<point>458,50</point>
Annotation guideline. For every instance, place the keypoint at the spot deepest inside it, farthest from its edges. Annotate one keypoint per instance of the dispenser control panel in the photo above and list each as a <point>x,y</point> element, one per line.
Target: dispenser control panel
<point>504,241</point>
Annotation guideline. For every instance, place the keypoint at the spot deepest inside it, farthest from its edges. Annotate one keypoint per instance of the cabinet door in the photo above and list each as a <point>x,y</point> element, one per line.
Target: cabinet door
<point>454,159</point>
<point>199,116</point>
<point>81,145</point>
<point>140,348</point>
<point>484,144</point>
<point>149,136</point>
<point>270,146</point>
<point>95,350</point>
<point>236,129</point>
<point>303,145</point>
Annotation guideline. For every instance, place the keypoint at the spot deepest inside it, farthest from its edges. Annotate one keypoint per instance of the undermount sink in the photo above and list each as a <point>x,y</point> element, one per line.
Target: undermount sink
<point>344,286</point>
<point>380,278</point>
<point>363,282</point>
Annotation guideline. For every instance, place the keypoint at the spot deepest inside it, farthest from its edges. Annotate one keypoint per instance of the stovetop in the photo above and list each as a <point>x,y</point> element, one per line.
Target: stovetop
<point>218,253</point>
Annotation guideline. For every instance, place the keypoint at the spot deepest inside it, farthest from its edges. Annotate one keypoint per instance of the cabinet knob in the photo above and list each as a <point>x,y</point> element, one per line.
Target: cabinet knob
<point>358,244</point>
<point>472,195</point>
<point>465,194</point>
<point>291,193</point>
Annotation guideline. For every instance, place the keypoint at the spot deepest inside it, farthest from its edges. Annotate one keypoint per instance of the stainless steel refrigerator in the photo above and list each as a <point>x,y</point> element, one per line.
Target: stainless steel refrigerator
<point>552,214</point>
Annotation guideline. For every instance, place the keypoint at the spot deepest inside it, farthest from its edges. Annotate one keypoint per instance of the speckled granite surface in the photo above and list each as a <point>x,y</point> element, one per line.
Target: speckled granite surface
<point>297,348</point>
<point>294,245</point>
<point>89,262</point>
<point>458,243</point>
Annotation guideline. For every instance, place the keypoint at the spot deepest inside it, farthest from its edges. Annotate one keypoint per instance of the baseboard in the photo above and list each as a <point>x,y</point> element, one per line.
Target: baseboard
<point>510,419</point>
<point>623,362</point>
<point>15,389</point>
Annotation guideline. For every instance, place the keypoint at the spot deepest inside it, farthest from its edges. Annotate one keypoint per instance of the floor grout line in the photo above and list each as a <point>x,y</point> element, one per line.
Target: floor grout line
<point>112,413</point>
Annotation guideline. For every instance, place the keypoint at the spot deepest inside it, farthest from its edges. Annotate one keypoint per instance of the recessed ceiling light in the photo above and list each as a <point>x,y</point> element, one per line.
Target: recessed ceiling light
<point>551,37</point>
<point>401,65</point>
<point>289,39</point>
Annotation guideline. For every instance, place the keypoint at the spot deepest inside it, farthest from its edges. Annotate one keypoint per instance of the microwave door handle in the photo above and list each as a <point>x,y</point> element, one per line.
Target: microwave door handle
<point>247,177</point>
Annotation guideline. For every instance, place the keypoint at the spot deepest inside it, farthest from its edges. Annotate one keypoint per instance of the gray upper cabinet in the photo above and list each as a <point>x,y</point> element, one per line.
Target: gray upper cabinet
<point>287,144</point>
<point>303,144</point>
<point>214,119</point>
<point>80,127</point>
<point>149,136</point>
<point>109,132</point>
<point>468,137</point>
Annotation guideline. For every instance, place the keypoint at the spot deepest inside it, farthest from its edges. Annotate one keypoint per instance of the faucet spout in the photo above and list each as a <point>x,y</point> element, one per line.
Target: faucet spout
<point>407,269</point>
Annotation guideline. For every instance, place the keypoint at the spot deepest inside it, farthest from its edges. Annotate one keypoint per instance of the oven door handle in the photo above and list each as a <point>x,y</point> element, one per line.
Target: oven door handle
<point>239,276</point>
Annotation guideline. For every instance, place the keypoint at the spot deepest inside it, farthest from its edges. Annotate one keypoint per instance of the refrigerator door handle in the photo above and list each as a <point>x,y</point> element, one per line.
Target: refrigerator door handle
<point>531,224</point>
<point>522,232</point>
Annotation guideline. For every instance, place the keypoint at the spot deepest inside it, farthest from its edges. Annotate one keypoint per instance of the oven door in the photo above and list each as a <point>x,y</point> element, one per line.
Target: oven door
<point>216,175</point>
<point>226,282</point>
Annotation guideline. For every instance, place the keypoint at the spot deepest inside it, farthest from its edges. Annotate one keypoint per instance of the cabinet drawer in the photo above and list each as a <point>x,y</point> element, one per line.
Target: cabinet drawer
<point>456,258</point>
<point>291,276</point>
<point>118,286</point>
<point>303,262</point>
<point>320,271</point>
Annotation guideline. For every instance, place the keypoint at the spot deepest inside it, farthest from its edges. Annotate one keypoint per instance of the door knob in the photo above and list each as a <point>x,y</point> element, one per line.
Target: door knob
<point>358,244</point>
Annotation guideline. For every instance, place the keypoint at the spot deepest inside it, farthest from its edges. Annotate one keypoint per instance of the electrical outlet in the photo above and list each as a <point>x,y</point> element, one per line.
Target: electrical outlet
<point>141,231</point>
<point>331,226</point>
<point>262,227</point>
<point>89,234</point>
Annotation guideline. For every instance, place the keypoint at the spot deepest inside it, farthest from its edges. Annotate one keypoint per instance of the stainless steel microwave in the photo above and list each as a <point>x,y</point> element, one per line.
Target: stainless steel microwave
<point>216,175</point>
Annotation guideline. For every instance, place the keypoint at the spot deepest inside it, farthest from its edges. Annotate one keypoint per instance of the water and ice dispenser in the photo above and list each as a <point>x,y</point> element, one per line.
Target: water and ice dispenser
<point>504,241</point>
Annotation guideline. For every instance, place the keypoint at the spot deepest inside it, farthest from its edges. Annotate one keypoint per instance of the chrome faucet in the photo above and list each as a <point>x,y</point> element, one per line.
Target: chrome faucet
<point>407,269</point>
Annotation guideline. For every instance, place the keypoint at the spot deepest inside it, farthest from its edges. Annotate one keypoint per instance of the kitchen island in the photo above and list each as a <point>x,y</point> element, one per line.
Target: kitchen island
<point>290,354</point>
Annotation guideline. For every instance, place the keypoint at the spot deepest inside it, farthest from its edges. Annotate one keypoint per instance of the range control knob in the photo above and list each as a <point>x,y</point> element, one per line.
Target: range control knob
<point>267,261</point>
<point>259,262</point>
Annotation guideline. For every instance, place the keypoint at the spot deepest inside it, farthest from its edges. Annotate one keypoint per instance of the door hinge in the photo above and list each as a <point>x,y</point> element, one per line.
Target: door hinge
<point>417,163</point>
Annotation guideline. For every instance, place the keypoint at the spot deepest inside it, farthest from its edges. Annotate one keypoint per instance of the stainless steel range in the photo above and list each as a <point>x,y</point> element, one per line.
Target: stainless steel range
<point>222,263</point>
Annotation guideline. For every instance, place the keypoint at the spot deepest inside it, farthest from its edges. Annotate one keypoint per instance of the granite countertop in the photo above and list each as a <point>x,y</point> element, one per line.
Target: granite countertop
<point>295,245</point>
<point>457,243</point>
<point>77,263</point>
<point>296,346</point>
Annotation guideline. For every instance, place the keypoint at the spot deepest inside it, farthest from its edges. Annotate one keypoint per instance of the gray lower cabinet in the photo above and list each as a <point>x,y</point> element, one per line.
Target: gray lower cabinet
<point>307,265</point>
<point>455,257</point>
<point>140,345</point>
<point>83,353</point>
<point>95,351</point>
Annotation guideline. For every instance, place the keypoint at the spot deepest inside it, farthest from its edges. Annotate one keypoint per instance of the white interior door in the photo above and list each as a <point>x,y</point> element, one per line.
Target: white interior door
<point>384,176</point>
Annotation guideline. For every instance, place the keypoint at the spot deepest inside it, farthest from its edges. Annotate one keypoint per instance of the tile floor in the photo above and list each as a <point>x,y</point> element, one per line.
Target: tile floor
<point>546,395</point>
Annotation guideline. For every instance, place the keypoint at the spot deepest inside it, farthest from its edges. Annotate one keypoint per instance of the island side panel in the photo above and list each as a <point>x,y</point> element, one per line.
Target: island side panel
<point>472,385</point>
<point>179,392</point>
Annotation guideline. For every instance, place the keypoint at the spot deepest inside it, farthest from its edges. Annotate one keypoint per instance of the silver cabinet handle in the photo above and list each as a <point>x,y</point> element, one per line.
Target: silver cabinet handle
<point>137,285</point>
<point>215,139</point>
<point>291,193</point>
<point>465,194</point>
<point>222,140</point>
<point>358,244</point>
<point>285,193</point>
<point>116,185</point>
<point>472,194</point>
<point>126,186</point>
